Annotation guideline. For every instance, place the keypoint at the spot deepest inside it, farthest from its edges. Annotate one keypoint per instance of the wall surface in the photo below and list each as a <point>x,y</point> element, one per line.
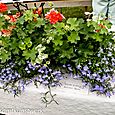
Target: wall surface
<point>72,99</point>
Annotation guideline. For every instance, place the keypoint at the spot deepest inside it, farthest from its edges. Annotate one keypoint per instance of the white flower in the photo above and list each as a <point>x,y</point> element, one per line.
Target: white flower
<point>88,13</point>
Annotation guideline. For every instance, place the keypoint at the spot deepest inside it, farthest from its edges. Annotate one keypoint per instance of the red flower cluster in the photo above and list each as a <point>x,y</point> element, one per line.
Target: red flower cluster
<point>12,18</point>
<point>54,16</point>
<point>3,8</point>
<point>6,32</point>
<point>38,11</point>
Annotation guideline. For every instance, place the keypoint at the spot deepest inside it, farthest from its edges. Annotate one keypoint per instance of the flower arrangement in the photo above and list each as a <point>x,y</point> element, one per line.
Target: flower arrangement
<point>41,50</point>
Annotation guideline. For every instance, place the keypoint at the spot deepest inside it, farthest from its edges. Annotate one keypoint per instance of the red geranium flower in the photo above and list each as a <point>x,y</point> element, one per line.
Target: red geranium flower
<point>60,16</point>
<point>54,16</point>
<point>12,18</point>
<point>3,8</point>
<point>18,14</point>
<point>6,32</point>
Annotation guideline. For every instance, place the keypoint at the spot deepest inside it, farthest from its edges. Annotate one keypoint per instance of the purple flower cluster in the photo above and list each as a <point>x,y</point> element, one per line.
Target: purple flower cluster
<point>15,83</point>
<point>18,87</point>
<point>98,81</point>
<point>102,90</point>
<point>8,77</point>
<point>98,88</point>
<point>49,77</point>
<point>97,72</point>
<point>11,80</point>
<point>44,74</point>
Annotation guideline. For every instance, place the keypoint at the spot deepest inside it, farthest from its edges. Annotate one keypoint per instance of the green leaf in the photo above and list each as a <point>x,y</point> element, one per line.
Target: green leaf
<point>75,24</point>
<point>21,20</point>
<point>27,40</point>
<point>67,53</point>
<point>40,22</point>
<point>72,21</point>
<point>30,54</point>
<point>59,25</point>
<point>73,37</point>
<point>28,15</point>
<point>103,31</point>
<point>2,22</point>
<point>96,36</point>
<point>14,45</point>
<point>22,45</point>
<point>58,41</point>
<point>4,55</point>
<point>87,53</point>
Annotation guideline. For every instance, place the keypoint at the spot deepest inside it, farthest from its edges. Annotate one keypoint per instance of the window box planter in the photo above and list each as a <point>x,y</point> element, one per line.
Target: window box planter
<point>42,50</point>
